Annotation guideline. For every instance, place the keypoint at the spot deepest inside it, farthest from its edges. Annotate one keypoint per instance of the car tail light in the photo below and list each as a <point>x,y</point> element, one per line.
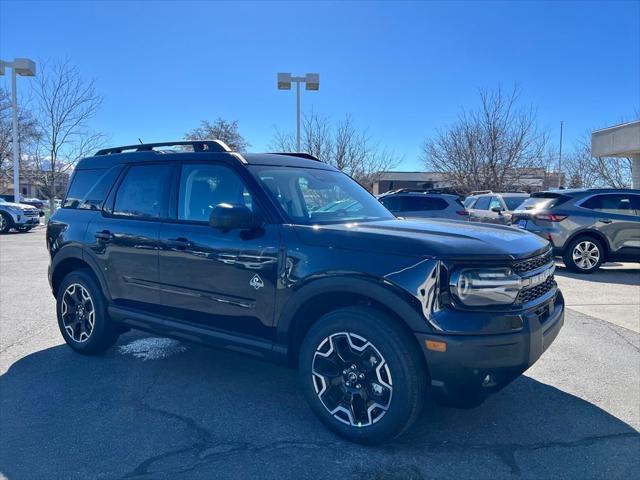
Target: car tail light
<point>464,213</point>
<point>549,217</point>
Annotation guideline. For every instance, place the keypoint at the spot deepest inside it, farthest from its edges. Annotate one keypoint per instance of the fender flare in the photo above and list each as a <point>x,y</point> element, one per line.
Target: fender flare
<point>589,233</point>
<point>73,252</point>
<point>388,295</point>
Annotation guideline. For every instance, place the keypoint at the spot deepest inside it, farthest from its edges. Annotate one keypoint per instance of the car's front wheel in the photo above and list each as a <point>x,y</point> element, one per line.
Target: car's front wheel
<point>362,374</point>
<point>82,314</point>
<point>584,255</point>
<point>5,222</point>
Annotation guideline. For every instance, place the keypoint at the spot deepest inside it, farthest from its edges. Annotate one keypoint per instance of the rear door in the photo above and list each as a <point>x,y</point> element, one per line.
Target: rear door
<point>123,240</point>
<point>480,210</point>
<point>617,216</point>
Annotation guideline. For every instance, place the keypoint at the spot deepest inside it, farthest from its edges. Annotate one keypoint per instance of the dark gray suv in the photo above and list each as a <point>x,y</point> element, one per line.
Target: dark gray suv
<point>587,227</point>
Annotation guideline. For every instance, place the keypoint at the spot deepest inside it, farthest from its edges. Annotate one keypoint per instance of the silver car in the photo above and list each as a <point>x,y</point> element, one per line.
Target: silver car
<point>20,216</point>
<point>490,207</point>
<point>587,227</point>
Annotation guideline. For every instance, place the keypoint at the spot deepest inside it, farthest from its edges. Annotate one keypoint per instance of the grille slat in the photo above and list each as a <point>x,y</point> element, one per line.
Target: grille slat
<point>525,266</point>
<point>530,294</point>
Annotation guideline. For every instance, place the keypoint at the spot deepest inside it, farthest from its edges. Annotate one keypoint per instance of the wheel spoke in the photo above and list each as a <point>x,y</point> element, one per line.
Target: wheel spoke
<point>352,379</point>
<point>77,312</point>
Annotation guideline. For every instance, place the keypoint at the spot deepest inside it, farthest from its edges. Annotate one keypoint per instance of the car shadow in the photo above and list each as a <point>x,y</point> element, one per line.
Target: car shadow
<point>212,414</point>
<point>621,276</point>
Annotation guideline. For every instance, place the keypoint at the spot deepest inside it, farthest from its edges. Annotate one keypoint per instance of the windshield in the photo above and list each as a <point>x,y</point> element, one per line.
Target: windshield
<point>535,203</point>
<point>514,202</point>
<point>312,196</point>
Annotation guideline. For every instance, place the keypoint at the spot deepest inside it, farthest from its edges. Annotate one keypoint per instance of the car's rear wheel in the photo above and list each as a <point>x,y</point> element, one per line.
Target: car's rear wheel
<point>82,314</point>
<point>584,255</point>
<point>362,374</point>
<point>5,222</point>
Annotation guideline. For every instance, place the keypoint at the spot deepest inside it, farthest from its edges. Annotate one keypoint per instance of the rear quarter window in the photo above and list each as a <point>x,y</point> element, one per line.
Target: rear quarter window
<point>87,183</point>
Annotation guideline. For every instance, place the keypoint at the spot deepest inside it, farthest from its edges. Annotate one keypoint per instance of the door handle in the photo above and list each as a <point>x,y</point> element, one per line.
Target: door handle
<point>179,243</point>
<point>605,220</point>
<point>104,235</point>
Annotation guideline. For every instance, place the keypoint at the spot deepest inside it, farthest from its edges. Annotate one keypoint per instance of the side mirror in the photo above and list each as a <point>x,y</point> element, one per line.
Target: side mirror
<point>496,209</point>
<point>231,217</point>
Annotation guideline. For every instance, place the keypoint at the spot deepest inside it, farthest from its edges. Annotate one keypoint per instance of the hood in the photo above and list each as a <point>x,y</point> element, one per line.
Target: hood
<point>441,238</point>
<point>23,206</point>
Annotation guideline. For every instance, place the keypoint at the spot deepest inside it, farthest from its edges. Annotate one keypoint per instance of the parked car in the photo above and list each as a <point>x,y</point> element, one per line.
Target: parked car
<point>237,251</point>
<point>587,227</point>
<point>424,204</point>
<point>36,202</point>
<point>19,216</point>
<point>493,207</point>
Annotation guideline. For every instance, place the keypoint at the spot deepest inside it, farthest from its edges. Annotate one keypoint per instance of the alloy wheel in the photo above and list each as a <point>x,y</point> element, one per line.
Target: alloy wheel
<point>586,255</point>
<point>78,313</point>
<point>352,379</point>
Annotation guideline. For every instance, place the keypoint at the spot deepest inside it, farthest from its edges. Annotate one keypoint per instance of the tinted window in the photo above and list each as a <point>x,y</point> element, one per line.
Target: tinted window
<point>413,204</point>
<point>143,192</point>
<point>392,203</point>
<point>482,203</point>
<point>469,201</point>
<point>620,204</point>
<point>204,187</point>
<point>83,181</point>
<point>513,202</point>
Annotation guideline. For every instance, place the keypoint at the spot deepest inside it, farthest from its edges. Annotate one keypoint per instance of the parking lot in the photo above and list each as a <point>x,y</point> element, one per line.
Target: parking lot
<point>162,409</point>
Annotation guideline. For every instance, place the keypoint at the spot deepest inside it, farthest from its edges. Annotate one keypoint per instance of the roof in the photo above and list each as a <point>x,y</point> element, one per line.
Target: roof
<point>201,151</point>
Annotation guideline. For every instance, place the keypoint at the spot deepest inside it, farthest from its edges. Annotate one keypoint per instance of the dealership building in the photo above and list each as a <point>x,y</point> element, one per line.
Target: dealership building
<point>621,141</point>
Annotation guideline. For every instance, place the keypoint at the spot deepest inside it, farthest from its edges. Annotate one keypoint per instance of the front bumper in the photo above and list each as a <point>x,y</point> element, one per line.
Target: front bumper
<point>472,366</point>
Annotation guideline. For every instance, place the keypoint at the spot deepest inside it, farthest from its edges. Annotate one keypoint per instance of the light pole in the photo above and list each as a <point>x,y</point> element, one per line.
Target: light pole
<point>560,158</point>
<point>25,68</point>
<point>311,82</point>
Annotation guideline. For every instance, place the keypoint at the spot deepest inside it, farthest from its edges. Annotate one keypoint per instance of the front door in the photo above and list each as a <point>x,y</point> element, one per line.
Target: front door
<point>214,278</point>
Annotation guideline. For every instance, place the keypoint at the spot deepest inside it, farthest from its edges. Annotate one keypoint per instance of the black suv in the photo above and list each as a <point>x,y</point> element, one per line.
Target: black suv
<point>239,251</point>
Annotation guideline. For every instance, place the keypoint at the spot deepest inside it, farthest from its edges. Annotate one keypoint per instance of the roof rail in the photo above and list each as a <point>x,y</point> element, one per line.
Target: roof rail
<point>197,145</point>
<point>481,192</point>
<point>308,156</point>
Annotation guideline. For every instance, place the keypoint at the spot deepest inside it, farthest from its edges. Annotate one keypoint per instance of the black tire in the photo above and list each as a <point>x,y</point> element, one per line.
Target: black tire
<point>6,223</point>
<point>574,259</point>
<point>103,333</point>
<point>406,374</point>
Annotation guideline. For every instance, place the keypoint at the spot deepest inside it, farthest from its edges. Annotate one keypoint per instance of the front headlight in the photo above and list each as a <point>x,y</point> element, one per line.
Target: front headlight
<point>478,287</point>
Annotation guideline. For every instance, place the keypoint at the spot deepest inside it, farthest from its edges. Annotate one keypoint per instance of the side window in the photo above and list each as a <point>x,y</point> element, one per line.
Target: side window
<point>619,204</point>
<point>412,204</point>
<point>96,196</point>
<point>635,204</point>
<point>83,181</point>
<point>434,203</point>
<point>143,192</point>
<point>495,203</point>
<point>392,203</point>
<point>204,186</point>
<point>482,203</point>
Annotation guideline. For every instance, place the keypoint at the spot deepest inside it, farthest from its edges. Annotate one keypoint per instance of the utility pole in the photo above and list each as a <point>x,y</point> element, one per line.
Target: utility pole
<point>560,158</point>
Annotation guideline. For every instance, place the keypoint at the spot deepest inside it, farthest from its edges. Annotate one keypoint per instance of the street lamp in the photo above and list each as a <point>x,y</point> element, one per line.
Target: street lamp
<point>311,82</point>
<point>25,68</point>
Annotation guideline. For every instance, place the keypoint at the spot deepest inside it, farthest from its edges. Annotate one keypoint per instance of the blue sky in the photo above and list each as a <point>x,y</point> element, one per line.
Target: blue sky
<point>401,69</point>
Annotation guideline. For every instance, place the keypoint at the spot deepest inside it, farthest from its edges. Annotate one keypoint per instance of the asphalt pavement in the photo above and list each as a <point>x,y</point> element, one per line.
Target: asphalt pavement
<point>154,408</point>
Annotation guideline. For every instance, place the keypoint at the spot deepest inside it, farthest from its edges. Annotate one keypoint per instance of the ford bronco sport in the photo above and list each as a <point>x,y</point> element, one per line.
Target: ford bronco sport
<point>237,251</point>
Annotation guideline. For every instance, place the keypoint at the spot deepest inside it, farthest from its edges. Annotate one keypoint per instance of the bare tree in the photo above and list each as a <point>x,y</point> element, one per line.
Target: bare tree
<point>343,146</point>
<point>220,129</point>
<point>66,104</point>
<point>584,170</point>
<point>27,135</point>
<point>490,147</point>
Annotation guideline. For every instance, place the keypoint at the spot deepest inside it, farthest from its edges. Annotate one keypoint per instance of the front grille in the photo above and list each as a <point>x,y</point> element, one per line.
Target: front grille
<point>531,294</point>
<point>31,213</point>
<point>532,263</point>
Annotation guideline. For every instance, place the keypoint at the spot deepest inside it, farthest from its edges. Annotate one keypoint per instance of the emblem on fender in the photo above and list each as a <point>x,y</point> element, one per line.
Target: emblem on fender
<point>256,282</point>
